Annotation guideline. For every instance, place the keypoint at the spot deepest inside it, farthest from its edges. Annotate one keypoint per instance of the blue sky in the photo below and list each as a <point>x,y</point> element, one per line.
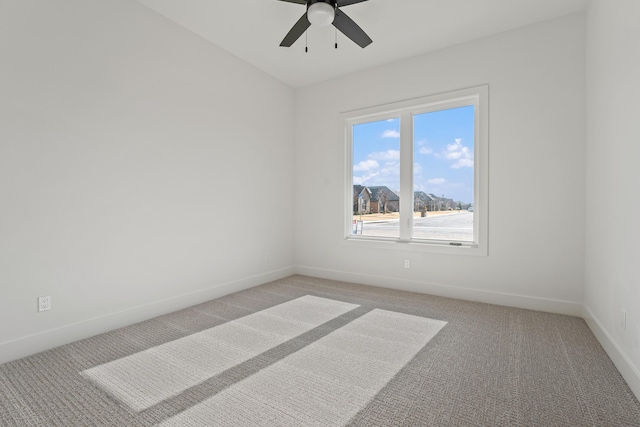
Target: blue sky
<point>443,153</point>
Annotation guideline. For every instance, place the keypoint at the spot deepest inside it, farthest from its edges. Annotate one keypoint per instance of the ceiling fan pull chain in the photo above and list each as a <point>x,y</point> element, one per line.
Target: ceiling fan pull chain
<point>306,42</point>
<point>336,38</point>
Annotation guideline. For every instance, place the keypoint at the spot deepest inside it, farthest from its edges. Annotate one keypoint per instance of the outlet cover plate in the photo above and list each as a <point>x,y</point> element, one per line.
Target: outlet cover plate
<point>44,303</point>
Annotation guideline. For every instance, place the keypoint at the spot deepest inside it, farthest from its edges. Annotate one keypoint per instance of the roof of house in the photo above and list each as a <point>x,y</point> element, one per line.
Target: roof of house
<point>376,191</point>
<point>358,189</point>
<point>422,196</point>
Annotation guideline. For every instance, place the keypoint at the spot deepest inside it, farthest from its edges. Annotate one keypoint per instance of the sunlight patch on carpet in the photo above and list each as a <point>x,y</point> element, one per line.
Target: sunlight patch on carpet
<point>145,379</point>
<point>326,383</point>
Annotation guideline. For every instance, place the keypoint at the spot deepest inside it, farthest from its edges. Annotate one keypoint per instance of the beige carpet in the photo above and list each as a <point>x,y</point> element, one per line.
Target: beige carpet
<point>305,351</point>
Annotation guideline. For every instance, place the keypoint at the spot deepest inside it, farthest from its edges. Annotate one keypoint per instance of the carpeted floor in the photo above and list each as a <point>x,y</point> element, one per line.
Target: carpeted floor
<point>306,351</point>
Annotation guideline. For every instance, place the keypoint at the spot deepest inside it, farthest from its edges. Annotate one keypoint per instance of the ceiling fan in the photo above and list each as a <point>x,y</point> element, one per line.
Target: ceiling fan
<point>325,12</point>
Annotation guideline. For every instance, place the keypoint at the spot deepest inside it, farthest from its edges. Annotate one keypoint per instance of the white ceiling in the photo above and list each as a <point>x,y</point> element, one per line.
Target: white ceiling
<point>253,29</point>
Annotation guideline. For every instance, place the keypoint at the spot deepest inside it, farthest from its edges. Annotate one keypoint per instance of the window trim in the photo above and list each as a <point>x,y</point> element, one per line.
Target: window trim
<point>405,110</point>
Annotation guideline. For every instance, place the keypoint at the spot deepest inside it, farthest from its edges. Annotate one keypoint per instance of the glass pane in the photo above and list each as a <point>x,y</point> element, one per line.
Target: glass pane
<point>443,174</point>
<point>376,178</point>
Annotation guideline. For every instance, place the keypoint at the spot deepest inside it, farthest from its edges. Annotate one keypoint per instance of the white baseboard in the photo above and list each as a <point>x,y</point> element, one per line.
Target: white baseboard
<point>629,372</point>
<point>490,297</point>
<point>26,346</point>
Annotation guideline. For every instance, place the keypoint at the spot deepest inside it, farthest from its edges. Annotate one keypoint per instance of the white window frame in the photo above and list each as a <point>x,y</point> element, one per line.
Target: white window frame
<point>406,110</point>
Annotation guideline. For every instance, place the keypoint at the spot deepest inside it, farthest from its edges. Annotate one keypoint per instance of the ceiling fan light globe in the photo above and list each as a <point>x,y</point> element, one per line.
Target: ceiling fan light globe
<point>321,14</point>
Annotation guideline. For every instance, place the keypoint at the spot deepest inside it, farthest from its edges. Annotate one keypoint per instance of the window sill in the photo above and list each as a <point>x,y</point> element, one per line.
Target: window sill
<point>444,247</point>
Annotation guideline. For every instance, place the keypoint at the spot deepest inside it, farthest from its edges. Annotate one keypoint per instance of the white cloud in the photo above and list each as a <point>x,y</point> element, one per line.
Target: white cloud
<point>423,148</point>
<point>385,176</point>
<point>385,155</point>
<point>463,163</point>
<point>366,165</point>
<point>454,151</point>
<point>436,181</point>
<point>379,168</point>
<point>455,155</point>
<point>365,179</point>
<point>459,152</point>
<point>391,134</point>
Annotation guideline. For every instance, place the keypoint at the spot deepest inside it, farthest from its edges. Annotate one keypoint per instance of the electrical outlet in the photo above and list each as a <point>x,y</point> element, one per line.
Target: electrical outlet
<point>407,263</point>
<point>44,303</point>
<point>623,320</point>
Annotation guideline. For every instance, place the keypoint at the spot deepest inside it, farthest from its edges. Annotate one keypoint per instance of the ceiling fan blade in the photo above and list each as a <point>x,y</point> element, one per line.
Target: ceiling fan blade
<point>345,2</point>
<point>300,1</point>
<point>298,29</point>
<point>350,29</point>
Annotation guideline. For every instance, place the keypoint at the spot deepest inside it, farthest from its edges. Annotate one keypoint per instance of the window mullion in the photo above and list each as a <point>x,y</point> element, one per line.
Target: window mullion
<point>406,175</point>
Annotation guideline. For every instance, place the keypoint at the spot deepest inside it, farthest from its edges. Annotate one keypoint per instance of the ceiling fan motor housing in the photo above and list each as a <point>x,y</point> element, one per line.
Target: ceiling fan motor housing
<point>321,13</point>
<point>332,3</point>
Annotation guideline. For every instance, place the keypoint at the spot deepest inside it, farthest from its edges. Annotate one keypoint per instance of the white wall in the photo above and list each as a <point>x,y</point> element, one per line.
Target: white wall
<point>142,169</point>
<point>536,166</point>
<point>612,279</point>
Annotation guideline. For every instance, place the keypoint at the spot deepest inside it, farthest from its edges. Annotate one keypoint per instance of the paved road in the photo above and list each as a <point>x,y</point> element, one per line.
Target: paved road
<point>456,226</point>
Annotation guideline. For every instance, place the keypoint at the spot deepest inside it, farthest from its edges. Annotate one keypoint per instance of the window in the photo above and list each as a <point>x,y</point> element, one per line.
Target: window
<point>417,172</point>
